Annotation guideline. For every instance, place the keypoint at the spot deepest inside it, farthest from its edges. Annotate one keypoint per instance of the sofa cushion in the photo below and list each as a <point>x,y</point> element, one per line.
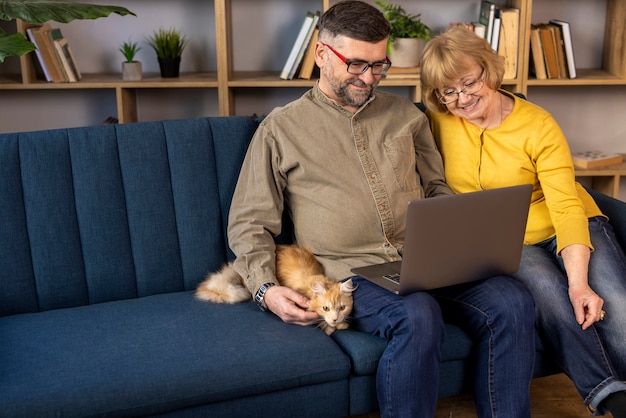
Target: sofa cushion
<point>364,350</point>
<point>156,354</point>
<point>151,196</point>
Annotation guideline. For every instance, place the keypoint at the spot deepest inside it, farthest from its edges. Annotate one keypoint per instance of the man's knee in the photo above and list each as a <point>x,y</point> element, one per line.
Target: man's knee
<point>423,315</point>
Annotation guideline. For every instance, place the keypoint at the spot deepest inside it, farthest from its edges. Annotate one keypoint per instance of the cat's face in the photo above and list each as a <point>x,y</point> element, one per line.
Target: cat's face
<point>332,302</point>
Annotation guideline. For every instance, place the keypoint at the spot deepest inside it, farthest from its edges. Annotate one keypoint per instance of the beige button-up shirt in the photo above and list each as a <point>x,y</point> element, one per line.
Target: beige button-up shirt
<point>345,179</point>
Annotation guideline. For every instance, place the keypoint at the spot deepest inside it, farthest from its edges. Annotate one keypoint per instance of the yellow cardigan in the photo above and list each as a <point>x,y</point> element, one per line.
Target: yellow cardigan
<point>527,148</point>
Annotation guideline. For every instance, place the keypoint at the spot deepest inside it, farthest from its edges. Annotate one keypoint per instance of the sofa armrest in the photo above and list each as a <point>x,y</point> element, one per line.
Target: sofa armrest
<point>616,211</point>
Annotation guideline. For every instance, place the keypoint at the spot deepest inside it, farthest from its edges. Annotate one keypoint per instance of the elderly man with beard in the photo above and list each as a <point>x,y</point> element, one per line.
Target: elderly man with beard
<point>344,160</point>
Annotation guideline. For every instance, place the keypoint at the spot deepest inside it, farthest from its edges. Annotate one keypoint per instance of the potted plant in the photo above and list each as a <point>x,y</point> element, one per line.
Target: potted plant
<point>407,33</point>
<point>168,45</point>
<point>40,11</point>
<point>131,69</point>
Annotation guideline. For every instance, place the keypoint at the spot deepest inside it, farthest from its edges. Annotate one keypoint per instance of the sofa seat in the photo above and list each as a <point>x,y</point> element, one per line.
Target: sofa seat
<point>162,353</point>
<point>105,231</point>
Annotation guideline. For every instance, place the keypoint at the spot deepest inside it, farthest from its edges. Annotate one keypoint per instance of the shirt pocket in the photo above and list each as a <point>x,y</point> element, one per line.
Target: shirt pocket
<point>401,154</point>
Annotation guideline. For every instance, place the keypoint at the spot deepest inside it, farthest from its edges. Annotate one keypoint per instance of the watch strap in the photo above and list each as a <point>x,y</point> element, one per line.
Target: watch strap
<point>260,294</point>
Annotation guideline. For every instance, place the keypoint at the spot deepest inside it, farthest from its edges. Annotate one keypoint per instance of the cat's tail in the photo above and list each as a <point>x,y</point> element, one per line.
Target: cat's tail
<point>225,286</point>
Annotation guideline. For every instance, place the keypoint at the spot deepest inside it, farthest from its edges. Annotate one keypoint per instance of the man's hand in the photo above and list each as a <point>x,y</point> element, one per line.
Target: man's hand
<point>289,305</point>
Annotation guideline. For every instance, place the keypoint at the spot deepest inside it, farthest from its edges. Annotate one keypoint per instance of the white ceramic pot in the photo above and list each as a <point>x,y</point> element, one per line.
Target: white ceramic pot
<point>131,71</point>
<point>405,52</point>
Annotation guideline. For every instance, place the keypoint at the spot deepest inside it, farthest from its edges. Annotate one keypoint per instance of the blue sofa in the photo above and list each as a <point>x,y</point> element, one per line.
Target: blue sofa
<point>105,231</point>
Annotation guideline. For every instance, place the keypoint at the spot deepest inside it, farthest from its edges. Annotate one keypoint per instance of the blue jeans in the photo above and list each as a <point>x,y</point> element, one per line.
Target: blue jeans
<point>497,313</point>
<point>595,359</point>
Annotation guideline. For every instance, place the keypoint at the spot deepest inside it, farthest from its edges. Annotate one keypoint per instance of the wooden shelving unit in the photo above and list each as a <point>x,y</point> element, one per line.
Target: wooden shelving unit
<point>604,179</point>
<point>227,81</point>
<point>231,80</point>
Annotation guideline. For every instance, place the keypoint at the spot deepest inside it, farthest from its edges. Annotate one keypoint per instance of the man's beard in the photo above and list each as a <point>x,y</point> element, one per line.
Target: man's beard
<point>351,97</point>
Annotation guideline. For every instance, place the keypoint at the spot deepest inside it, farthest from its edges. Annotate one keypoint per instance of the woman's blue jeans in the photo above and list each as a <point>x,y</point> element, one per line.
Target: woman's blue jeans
<point>595,359</point>
<point>497,313</point>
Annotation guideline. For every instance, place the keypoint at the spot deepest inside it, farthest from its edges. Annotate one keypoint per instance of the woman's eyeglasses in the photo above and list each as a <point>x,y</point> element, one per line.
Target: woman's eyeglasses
<point>450,95</point>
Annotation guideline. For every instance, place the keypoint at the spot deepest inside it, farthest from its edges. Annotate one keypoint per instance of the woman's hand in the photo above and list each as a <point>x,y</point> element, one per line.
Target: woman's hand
<point>586,303</point>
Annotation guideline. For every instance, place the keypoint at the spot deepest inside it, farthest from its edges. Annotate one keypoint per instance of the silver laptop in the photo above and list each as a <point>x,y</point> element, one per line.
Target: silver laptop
<point>457,239</point>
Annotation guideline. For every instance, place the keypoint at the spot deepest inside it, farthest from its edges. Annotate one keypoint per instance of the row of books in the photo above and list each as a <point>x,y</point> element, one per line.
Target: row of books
<point>301,59</point>
<point>552,51</point>
<point>500,27</point>
<point>501,30</point>
<point>54,56</point>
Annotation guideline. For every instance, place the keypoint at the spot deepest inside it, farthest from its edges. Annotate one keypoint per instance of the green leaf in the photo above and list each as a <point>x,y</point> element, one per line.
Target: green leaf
<point>11,45</point>
<point>40,11</point>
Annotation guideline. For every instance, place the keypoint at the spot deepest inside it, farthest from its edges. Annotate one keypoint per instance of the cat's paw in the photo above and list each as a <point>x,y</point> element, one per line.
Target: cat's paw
<point>328,329</point>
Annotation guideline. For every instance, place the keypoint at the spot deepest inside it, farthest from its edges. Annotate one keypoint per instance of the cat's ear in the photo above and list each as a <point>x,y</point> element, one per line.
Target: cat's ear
<point>318,288</point>
<point>347,286</point>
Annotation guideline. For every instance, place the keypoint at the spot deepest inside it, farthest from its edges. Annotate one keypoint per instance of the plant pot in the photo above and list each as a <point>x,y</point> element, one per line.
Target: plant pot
<point>170,67</point>
<point>131,71</point>
<point>405,52</point>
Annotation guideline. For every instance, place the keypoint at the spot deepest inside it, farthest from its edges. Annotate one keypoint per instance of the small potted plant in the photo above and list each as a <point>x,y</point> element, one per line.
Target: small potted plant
<point>168,45</point>
<point>131,69</point>
<point>407,33</point>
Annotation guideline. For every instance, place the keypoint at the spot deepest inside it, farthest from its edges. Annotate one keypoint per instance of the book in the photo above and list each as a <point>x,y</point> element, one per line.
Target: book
<point>568,46</point>
<point>592,159</point>
<point>479,29</point>
<point>297,50</point>
<point>49,44</point>
<point>39,56</point>
<point>65,54</point>
<point>548,44</point>
<point>560,51</point>
<point>486,17</point>
<point>467,25</point>
<point>308,62</point>
<point>43,41</point>
<point>307,42</point>
<point>538,65</point>
<point>508,46</point>
<point>495,34</point>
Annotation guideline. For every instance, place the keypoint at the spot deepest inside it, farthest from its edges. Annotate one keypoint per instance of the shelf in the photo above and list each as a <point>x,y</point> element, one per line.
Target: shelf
<point>265,79</point>
<point>604,179</point>
<point>111,81</point>
<point>585,77</point>
<point>230,84</point>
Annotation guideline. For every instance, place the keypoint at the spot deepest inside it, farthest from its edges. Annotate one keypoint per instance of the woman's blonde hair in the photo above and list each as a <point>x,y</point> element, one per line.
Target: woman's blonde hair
<point>452,54</point>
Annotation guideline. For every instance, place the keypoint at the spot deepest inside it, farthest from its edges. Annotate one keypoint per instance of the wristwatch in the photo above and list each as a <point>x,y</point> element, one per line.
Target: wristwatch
<point>258,298</point>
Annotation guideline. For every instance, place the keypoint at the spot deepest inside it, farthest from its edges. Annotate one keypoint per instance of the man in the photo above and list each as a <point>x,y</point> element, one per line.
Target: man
<point>344,161</point>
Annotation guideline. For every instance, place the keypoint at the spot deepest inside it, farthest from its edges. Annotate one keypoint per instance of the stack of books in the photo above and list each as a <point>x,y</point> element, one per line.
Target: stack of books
<point>301,59</point>
<point>54,55</point>
<point>552,51</point>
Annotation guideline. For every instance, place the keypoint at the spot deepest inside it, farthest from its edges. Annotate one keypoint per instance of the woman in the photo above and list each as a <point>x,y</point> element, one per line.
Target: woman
<point>571,261</point>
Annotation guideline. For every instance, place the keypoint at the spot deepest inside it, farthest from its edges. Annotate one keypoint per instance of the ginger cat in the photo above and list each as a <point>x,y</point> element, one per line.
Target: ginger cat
<point>297,268</point>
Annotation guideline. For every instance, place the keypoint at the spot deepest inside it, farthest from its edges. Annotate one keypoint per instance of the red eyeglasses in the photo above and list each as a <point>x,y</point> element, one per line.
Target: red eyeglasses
<point>359,67</point>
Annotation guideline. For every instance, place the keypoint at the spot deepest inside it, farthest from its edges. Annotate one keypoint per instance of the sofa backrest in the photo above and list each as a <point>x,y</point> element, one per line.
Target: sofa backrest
<point>96,214</point>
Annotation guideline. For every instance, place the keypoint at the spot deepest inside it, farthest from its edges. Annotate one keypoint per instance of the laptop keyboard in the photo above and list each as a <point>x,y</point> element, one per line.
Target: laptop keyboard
<point>392,277</point>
